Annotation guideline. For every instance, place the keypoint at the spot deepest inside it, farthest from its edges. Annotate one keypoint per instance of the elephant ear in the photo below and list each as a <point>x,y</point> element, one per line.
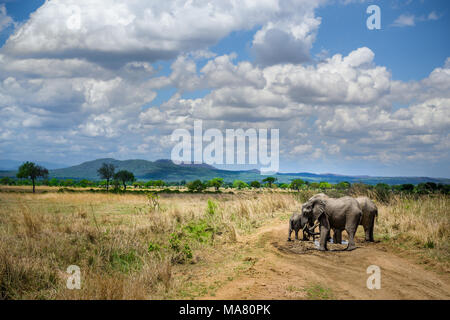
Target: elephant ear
<point>318,209</point>
<point>304,220</point>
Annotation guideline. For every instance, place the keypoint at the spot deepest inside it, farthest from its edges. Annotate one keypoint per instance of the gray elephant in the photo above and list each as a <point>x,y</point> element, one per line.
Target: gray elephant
<point>369,213</point>
<point>339,214</point>
<point>298,221</point>
<point>323,195</point>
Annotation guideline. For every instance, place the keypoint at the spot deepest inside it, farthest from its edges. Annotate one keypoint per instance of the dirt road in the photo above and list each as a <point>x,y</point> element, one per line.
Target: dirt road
<point>278,269</point>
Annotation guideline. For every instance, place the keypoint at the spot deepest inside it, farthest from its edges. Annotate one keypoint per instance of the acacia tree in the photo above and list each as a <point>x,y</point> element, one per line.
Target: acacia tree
<point>255,184</point>
<point>196,185</point>
<point>124,176</point>
<point>296,184</point>
<point>238,184</point>
<point>269,181</point>
<point>216,183</point>
<point>106,171</point>
<point>32,171</point>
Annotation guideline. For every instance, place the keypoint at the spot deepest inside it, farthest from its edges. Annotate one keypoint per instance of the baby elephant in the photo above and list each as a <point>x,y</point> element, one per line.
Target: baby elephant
<point>296,222</point>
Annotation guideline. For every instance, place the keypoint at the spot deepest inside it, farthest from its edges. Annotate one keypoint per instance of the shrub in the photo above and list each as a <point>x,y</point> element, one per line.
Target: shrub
<point>211,208</point>
<point>196,186</point>
<point>255,184</point>
<point>238,184</point>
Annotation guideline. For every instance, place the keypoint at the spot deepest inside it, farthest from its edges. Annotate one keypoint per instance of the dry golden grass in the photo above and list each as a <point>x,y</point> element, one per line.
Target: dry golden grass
<point>124,248</point>
<point>128,249</point>
<point>417,224</point>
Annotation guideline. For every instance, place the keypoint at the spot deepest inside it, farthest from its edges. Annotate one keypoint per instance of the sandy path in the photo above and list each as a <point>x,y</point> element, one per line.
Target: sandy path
<point>282,270</point>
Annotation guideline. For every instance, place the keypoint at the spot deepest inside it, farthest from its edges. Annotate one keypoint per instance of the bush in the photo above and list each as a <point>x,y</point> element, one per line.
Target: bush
<point>211,208</point>
<point>153,247</point>
<point>6,181</point>
<point>255,184</point>
<point>238,184</point>
<point>383,192</point>
<point>199,231</point>
<point>196,186</point>
<point>125,262</point>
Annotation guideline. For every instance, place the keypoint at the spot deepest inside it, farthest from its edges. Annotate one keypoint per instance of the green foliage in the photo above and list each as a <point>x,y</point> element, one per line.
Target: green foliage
<point>270,181</point>
<point>200,231</point>
<point>238,184</point>
<point>296,184</point>
<point>211,208</point>
<point>314,185</point>
<point>318,292</point>
<point>184,251</point>
<point>426,188</point>
<point>68,183</point>
<point>408,187</point>
<point>429,244</point>
<point>174,242</point>
<point>106,171</point>
<point>187,251</point>
<point>255,184</point>
<point>343,185</point>
<point>153,247</point>
<point>138,184</point>
<point>32,171</point>
<point>54,182</point>
<point>125,262</point>
<point>382,192</point>
<point>116,185</point>
<point>124,176</point>
<point>84,183</point>
<point>6,181</point>
<point>153,201</point>
<point>444,188</point>
<point>155,183</point>
<point>216,183</point>
<point>196,186</point>
<point>324,185</point>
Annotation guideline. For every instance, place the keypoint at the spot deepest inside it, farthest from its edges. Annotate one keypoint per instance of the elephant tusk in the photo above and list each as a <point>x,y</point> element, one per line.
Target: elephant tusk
<point>314,227</point>
<point>311,230</point>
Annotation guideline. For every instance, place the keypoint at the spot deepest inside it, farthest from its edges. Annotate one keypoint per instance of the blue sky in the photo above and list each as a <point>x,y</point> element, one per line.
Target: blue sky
<point>226,72</point>
<point>403,50</point>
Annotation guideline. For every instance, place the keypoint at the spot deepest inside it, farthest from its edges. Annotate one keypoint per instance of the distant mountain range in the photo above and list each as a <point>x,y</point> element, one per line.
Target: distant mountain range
<point>168,171</point>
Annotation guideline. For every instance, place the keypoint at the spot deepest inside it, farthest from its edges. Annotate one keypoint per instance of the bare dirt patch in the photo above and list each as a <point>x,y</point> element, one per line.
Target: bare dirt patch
<point>277,269</point>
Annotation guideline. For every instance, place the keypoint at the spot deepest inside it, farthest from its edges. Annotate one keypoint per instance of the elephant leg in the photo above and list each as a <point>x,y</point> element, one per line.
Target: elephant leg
<point>351,239</point>
<point>305,236</point>
<point>305,233</point>
<point>289,234</point>
<point>337,236</point>
<point>324,233</point>
<point>296,234</point>
<point>371,239</point>
<point>367,233</point>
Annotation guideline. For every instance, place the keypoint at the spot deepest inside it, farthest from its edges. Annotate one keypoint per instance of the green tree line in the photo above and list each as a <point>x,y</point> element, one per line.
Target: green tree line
<point>30,174</point>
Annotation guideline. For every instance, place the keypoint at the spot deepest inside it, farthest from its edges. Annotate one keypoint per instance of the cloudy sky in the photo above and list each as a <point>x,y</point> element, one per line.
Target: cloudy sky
<point>83,79</point>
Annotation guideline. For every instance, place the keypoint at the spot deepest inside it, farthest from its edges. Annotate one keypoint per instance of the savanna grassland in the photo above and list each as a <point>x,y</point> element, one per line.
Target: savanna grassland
<point>184,246</point>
